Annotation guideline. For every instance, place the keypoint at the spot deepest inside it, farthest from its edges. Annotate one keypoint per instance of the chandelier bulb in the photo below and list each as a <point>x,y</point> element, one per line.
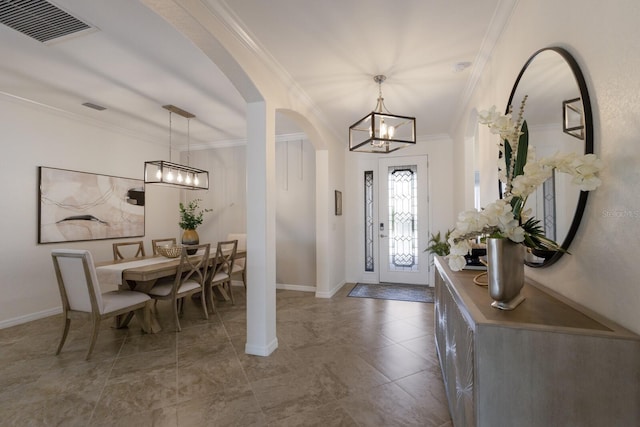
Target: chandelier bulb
<point>195,180</point>
<point>383,129</point>
<point>159,174</point>
<point>170,176</point>
<point>179,178</point>
<point>188,179</point>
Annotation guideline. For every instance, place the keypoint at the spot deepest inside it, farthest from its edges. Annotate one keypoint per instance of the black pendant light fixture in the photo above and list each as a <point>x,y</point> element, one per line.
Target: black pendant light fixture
<point>166,173</point>
<point>380,131</point>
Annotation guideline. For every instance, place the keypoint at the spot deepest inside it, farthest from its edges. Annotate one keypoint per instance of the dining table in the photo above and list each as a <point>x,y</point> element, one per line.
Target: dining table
<point>141,274</point>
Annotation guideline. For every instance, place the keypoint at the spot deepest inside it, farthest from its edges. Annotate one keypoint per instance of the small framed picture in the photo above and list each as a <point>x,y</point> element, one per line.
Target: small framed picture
<point>338,198</point>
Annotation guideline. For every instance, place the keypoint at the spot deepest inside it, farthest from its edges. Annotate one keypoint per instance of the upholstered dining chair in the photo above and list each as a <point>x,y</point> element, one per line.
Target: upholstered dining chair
<point>161,242</point>
<point>222,268</point>
<point>240,264</point>
<point>189,279</point>
<point>123,250</point>
<point>80,293</point>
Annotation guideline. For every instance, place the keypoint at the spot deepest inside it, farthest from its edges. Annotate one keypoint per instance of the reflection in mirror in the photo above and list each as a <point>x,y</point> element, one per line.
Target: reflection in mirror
<point>558,113</point>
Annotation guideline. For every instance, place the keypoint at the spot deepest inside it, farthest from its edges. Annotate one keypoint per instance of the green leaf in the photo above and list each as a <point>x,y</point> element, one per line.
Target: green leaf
<point>523,148</point>
<point>507,156</point>
<point>534,237</point>
<point>517,204</point>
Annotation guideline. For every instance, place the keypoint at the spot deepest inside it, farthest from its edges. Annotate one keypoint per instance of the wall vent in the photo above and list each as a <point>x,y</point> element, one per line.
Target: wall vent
<point>39,19</point>
<point>94,106</point>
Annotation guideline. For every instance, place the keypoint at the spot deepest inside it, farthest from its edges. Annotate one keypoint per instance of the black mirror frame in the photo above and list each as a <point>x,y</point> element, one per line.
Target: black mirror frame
<point>588,143</point>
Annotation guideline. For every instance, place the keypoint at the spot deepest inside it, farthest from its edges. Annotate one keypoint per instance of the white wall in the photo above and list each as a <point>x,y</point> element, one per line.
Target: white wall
<point>441,216</point>
<point>295,213</point>
<point>38,136</point>
<point>35,136</point>
<point>227,192</point>
<point>604,38</point>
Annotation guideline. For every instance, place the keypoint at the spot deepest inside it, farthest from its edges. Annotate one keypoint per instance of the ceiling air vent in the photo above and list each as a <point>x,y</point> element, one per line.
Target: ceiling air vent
<point>39,19</point>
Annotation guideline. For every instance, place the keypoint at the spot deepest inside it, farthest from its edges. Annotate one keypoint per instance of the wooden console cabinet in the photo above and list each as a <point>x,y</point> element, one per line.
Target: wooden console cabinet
<point>547,363</point>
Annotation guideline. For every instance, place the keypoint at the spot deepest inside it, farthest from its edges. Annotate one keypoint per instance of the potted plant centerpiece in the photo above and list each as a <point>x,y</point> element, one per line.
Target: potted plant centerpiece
<point>506,224</point>
<point>191,216</point>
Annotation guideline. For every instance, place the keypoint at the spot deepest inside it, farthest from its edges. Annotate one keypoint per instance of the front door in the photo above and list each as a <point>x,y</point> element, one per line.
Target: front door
<point>403,216</point>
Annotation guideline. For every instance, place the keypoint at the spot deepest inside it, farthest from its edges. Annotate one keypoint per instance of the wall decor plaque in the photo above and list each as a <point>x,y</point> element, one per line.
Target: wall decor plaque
<point>77,206</point>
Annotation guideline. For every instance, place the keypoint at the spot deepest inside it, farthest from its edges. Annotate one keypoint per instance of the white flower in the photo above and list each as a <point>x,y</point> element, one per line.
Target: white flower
<point>470,221</point>
<point>587,184</point>
<point>509,217</point>
<point>498,124</point>
<point>487,117</point>
<point>461,248</point>
<point>535,173</point>
<point>583,168</point>
<point>457,262</point>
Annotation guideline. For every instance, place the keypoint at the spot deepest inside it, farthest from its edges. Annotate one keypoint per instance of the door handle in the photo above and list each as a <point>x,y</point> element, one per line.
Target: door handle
<point>383,235</point>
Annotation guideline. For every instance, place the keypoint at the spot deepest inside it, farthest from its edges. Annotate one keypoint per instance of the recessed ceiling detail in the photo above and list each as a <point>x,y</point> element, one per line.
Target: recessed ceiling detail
<point>39,19</point>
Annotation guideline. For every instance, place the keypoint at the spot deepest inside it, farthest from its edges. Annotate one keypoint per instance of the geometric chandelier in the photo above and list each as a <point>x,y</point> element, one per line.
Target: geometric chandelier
<point>380,131</point>
<point>162,172</point>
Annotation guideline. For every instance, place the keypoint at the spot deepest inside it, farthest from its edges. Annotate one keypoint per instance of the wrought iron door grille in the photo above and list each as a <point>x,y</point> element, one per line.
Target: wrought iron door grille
<point>368,221</point>
<point>403,204</point>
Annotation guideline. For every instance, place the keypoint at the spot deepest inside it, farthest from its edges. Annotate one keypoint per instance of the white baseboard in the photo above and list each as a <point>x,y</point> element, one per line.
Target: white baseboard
<point>259,350</point>
<point>331,292</point>
<point>302,288</point>
<point>30,317</point>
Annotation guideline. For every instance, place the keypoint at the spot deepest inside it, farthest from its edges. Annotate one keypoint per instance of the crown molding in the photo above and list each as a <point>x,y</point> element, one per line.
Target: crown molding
<point>289,137</point>
<point>241,33</point>
<point>84,119</point>
<point>499,21</point>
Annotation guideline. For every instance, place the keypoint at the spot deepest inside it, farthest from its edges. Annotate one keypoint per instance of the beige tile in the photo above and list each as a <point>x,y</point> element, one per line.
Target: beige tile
<point>427,387</point>
<point>395,361</point>
<point>141,391</point>
<point>335,366</point>
<point>146,343</point>
<point>160,417</point>
<point>221,410</point>
<point>399,331</point>
<point>282,361</point>
<point>285,395</point>
<point>346,374</point>
<point>424,347</point>
<point>329,415</point>
<point>62,409</point>
<point>389,405</point>
<point>203,378</point>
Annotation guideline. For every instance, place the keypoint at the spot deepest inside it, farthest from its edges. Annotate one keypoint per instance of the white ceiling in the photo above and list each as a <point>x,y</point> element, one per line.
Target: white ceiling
<point>135,62</point>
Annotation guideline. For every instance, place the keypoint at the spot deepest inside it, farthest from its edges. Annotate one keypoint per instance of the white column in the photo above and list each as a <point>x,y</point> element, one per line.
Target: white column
<point>261,227</point>
<point>324,211</point>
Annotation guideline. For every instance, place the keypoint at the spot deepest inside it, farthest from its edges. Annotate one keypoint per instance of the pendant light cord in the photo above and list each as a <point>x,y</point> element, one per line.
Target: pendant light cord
<point>170,135</point>
<point>188,142</point>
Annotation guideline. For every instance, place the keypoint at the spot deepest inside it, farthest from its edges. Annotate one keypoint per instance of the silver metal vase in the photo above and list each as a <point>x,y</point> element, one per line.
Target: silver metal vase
<point>505,270</point>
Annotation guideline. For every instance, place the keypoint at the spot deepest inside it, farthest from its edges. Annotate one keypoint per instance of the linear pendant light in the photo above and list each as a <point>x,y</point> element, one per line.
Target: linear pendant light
<point>380,131</point>
<point>162,172</point>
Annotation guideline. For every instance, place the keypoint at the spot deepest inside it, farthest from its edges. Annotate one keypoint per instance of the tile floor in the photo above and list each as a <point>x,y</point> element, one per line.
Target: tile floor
<point>340,362</point>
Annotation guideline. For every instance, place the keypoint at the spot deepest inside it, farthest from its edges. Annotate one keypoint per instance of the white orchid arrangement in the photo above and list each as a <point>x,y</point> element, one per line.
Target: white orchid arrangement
<point>521,174</point>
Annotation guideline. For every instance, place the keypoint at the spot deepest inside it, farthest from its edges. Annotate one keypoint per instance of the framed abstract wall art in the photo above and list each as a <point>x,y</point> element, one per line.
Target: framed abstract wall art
<point>76,206</point>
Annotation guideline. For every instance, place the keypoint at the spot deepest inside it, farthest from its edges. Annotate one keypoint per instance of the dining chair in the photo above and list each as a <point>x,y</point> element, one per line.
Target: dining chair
<point>161,242</point>
<point>123,250</point>
<point>240,264</point>
<point>190,278</point>
<point>80,293</point>
<point>222,268</point>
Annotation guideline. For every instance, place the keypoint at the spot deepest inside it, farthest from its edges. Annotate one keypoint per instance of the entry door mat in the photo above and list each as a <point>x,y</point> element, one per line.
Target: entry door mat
<point>393,291</point>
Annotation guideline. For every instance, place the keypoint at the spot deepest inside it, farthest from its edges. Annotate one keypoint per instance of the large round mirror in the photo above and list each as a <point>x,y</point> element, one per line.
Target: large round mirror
<point>558,114</point>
